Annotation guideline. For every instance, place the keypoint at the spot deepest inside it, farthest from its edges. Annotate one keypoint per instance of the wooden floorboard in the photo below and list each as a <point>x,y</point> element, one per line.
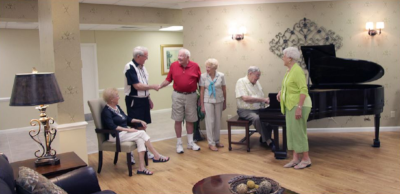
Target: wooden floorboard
<point>341,163</point>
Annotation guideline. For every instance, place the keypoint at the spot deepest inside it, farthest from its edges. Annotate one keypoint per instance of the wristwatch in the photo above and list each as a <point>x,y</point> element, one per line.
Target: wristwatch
<point>299,106</point>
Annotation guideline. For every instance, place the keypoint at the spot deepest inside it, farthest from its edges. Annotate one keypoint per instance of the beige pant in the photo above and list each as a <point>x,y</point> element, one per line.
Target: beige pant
<point>213,121</point>
<point>140,137</point>
<point>184,105</point>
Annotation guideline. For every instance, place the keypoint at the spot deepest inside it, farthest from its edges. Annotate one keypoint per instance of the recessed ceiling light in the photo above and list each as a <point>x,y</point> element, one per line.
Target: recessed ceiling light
<point>172,28</point>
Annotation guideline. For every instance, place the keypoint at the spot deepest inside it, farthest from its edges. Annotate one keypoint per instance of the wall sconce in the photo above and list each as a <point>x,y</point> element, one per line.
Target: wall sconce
<point>238,34</point>
<point>370,27</point>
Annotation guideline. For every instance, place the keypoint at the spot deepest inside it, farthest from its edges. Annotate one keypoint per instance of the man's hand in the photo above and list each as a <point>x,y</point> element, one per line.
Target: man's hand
<point>155,87</point>
<point>151,103</point>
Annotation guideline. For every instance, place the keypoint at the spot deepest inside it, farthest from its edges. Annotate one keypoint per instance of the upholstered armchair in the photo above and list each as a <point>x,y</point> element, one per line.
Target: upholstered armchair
<point>82,180</point>
<point>96,106</point>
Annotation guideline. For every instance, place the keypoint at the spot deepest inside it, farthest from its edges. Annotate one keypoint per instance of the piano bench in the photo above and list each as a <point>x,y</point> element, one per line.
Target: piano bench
<point>239,122</point>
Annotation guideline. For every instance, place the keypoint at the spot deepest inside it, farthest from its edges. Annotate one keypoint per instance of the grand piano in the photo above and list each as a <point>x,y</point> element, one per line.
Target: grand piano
<point>335,91</point>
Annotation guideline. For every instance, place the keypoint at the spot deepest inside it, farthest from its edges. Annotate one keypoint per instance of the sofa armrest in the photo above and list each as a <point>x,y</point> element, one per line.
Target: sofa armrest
<point>82,180</point>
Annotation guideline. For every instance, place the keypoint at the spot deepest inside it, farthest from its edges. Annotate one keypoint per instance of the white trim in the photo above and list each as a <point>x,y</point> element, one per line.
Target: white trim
<point>71,126</point>
<point>167,110</point>
<point>5,99</point>
<point>326,130</point>
<point>119,89</point>
<point>17,130</point>
<point>122,89</point>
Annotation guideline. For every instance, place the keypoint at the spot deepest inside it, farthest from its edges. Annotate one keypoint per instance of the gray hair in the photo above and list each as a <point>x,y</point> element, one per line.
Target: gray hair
<point>253,69</point>
<point>109,93</point>
<point>292,52</point>
<point>139,51</point>
<point>187,52</point>
<point>212,62</point>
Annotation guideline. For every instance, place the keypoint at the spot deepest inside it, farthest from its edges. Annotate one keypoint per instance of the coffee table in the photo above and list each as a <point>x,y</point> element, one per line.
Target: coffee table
<point>218,184</point>
<point>68,161</point>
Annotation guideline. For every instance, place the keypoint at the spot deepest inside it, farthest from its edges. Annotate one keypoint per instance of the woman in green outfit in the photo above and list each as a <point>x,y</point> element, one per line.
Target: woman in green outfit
<point>296,106</point>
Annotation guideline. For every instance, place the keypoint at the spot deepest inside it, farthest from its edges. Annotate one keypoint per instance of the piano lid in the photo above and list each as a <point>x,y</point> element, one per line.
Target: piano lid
<point>326,69</point>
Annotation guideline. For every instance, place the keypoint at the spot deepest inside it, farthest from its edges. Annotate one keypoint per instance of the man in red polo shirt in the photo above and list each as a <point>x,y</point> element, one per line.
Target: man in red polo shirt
<point>186,75</point>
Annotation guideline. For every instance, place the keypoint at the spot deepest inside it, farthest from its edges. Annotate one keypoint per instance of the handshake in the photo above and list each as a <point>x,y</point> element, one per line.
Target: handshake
<point>155,87</point>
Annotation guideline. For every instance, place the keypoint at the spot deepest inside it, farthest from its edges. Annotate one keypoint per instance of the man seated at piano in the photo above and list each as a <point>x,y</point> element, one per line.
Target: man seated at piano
<point>249,99</point>
<point>296,106</point>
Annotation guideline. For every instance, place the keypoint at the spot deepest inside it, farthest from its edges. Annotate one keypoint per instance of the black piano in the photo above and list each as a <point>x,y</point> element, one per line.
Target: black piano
<point>335,91</point>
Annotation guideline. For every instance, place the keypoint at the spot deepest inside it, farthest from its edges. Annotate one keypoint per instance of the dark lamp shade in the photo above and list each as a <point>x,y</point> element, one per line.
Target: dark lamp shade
<point>35,89</point>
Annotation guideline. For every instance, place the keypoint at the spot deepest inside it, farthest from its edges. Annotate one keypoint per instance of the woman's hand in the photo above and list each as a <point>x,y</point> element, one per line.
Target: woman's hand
<point>144,124</point>
<point>224,106</point>
<point>203,110</point>
<point>131,130</point>
<point>278,97</point>
<point>298,113</point>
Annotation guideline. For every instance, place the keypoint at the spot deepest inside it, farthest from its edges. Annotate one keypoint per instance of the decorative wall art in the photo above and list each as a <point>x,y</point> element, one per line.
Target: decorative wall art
<point>304,33</point>
<point>169,54</point>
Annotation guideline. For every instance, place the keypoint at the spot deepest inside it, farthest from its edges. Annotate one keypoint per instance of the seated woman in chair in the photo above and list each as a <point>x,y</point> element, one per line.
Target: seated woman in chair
<point>114,118</point>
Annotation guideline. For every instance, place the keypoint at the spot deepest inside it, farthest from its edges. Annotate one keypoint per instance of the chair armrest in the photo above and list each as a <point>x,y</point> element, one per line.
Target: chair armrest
<point>82,180</point>
<point>117,143</point>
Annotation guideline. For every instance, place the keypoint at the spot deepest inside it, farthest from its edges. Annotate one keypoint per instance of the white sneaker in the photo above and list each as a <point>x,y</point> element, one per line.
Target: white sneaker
<point>150,155</point>
<point>179,148</point>
<point>193,146</point>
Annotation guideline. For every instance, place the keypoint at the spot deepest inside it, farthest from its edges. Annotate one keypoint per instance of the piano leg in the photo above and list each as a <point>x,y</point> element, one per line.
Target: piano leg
<point>377,143</point>
<point>280,154</point>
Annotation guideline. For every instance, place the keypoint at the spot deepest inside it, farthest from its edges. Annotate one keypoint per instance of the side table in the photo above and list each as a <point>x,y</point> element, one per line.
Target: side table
<point>68,161</point>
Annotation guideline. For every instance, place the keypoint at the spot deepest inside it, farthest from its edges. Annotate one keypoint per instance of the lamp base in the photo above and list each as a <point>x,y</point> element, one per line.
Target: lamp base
<point>47,160</point>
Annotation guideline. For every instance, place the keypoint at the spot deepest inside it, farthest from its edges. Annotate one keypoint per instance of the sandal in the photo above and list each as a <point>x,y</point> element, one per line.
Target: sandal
<point>145,172</point>
<point>213,148</point>
<point>303,164</point>
<point>161,159</point>
<point>291,164</point>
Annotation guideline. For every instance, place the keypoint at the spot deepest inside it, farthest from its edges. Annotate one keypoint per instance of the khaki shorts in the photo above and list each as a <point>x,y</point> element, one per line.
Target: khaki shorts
<point>184,105</point>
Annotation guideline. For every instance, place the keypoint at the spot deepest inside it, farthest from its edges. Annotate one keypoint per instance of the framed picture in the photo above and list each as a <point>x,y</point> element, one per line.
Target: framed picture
<point>169,54</point>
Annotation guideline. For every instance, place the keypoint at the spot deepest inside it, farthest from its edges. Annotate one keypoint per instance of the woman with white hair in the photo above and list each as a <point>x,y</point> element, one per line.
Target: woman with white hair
<point>296,106</point>
<point>213,101</point>
<point>114,118</point>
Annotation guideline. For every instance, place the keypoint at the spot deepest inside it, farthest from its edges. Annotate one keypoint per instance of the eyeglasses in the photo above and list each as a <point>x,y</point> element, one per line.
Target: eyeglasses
<point>145,56</point>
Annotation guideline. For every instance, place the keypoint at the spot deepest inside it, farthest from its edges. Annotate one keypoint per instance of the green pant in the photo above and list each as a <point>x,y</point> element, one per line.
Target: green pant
<point>296,130</point>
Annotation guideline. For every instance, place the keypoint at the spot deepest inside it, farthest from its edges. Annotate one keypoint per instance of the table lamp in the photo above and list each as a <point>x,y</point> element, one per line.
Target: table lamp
<point>32,89</point>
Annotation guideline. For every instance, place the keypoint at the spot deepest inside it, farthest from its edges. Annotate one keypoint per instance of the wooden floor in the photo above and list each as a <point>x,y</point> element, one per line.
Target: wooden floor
<point>341,163</point>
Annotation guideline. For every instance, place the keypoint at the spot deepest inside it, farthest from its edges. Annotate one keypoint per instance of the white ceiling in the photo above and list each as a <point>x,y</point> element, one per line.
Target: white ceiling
<point>169,4</point>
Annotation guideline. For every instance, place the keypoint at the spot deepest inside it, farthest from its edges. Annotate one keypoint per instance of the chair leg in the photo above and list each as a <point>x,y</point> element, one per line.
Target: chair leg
<point>146,158</point>
<point>128,161</point>
<point>100,161</point>
<point>248,138</point>
<point>229,136</point>
<point>116,158</point>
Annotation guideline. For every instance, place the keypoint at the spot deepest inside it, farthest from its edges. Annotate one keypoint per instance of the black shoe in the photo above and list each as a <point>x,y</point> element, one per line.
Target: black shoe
<point>272,145</point>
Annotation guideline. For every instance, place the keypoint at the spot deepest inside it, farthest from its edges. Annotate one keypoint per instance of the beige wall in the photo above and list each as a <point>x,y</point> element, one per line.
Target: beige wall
<point>206,35</point>
<point>19,52</point>
<point>114,50</point>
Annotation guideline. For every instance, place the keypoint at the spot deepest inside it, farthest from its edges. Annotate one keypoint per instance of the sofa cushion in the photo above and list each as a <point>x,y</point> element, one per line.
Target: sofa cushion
<point>6,175</point>
<point>30,181</point>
